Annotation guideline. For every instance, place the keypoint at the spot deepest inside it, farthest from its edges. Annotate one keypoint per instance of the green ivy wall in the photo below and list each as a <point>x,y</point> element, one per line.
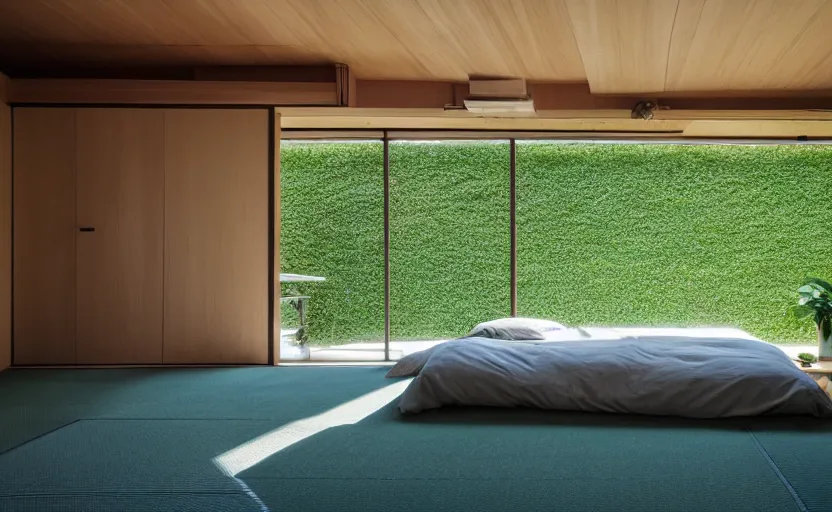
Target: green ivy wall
<point>608,234</point>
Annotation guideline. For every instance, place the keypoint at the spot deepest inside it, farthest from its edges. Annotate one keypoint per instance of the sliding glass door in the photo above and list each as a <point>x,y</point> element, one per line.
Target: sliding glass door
<point>607,234</point>
<point>332,250</point>
<point>449,238</point>
<point>677,235</point>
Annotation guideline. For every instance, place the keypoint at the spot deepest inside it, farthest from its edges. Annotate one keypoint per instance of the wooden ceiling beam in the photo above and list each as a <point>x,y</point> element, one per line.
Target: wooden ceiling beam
<point>577,96</point>
<point>345,90</point>
<point>80,91</point>
<point>323,73</point>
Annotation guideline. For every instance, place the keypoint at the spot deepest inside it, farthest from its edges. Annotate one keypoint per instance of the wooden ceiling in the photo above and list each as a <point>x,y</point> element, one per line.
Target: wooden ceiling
<point>617,46</point>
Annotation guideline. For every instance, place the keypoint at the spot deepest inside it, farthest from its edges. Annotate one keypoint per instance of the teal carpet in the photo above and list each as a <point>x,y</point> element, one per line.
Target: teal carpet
<point>102,440</point>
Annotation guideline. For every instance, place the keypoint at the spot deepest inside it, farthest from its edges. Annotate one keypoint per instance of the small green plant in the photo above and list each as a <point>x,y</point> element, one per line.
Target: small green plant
<point>815,300</point>
<point>806,357</point>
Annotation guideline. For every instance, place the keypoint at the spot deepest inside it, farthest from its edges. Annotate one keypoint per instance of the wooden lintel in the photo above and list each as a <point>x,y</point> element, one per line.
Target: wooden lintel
<point>736,115</point>
<point>82,91</point>
<point>437,119</point>
<point>691,125</point>
<point>524,135</point>
<point>760,129</point>
<point>332,135</point>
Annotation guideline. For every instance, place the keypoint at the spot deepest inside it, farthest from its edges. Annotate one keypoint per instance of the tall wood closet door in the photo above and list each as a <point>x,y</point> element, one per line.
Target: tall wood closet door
<point>44,236</point>
<point>216,236</point>
<point>120,216</point>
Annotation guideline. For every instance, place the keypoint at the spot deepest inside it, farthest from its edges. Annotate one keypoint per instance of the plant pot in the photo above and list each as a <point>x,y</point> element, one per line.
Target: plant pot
<point>805,364</point>
<point>825,340</point>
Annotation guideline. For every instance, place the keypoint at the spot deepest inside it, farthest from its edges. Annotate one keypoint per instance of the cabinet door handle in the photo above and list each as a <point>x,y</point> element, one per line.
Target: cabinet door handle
<point>86,230</point>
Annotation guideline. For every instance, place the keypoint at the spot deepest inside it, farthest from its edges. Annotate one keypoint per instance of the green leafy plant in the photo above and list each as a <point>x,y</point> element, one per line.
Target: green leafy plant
<point>806,357</point>
<point>815,300</point>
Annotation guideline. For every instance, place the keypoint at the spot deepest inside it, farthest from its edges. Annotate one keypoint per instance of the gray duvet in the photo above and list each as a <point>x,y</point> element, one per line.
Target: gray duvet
<point>692,377</point>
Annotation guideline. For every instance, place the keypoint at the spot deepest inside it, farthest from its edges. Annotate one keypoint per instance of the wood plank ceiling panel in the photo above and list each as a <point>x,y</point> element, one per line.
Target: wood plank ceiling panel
<point>624,44</point>
<point>379,39</point>
<point>650,46</point>
<point>619,46</point>
<point>751,45</point>
<point>525,38</point>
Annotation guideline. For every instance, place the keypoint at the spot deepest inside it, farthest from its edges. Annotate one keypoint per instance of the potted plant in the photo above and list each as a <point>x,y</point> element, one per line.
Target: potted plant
<point>806,359</point>
<point>815,300</point>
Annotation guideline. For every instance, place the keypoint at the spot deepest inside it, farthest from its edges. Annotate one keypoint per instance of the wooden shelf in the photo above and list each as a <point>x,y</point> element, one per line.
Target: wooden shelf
<point>819,367</point>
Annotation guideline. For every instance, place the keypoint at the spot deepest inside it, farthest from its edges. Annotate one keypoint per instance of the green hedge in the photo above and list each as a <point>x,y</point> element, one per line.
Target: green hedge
<point>449,237</point>
<point>672,235</point>
<point>608,234</point>
<point>332,225</point>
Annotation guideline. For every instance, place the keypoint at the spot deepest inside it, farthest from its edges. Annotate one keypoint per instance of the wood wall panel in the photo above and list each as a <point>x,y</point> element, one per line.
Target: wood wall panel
<point>4,89</point>
<point>120,193</point>
<point>5,232</point>
<point>44,236</point>
<point>403,94</point>
<point>216,236</point>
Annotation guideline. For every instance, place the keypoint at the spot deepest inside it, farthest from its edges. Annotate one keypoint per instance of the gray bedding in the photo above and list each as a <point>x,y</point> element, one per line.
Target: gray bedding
<point>691,377</point>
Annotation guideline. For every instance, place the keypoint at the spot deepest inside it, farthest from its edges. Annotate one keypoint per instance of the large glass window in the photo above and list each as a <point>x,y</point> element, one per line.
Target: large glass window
<point>449,237</point>
<point>608,234</point>
<point>671,235</point>
<point>332,227</point>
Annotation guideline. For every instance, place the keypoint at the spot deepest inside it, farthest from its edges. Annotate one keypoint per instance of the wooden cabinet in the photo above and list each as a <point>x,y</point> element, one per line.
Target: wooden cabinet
<point>120,215</point>
<point>216,236</point>
<point>44,236</point>
<point>140,236</point>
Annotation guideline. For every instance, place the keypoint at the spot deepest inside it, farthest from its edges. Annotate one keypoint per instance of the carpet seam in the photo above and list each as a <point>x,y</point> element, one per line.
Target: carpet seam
<point>796,497</point>
<point>457,479</point>
<point>24,443</point>
<point>125,494</point>
<point>178,419</point>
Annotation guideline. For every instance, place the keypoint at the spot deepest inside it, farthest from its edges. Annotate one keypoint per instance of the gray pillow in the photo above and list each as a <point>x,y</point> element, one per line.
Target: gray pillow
<point>515,329</point>
<point>507,333</point>
<point>511,329</point>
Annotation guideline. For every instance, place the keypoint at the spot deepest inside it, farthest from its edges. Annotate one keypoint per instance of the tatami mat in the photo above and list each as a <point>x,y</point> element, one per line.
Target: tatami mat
<point>149,440</point>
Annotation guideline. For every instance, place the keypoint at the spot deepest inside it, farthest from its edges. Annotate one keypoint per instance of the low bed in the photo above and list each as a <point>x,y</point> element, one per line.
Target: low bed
<point>712,377</point>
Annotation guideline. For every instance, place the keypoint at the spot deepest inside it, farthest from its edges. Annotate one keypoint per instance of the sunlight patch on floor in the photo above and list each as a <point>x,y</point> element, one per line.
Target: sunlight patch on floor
<point>251,453</point>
